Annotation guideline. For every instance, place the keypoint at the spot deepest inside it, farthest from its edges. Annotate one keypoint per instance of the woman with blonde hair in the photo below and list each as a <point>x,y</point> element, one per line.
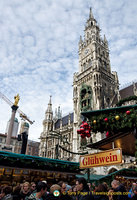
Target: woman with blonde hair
<point>25,190</point>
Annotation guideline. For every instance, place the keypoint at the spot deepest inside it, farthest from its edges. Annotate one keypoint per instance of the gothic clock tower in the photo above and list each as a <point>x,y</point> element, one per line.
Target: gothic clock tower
<point>94,86</point>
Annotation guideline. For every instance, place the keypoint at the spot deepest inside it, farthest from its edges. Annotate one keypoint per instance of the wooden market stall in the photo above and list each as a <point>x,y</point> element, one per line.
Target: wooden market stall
<point>16,168</point>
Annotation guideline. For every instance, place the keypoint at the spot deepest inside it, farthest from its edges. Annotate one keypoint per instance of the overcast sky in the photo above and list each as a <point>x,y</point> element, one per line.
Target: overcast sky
<point>39,50</point>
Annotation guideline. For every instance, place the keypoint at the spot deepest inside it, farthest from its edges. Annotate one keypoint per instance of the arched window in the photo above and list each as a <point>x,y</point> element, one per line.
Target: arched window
<point>89,63</point>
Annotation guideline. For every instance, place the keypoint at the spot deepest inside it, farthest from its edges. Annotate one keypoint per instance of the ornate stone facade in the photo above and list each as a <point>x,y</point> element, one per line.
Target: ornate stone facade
<point>95,87</point>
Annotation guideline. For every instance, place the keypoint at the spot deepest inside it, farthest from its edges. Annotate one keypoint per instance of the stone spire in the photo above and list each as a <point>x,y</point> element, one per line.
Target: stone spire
<point>91,14</point>
<point>80,40</point>
<point>59,113</point>
<point>105,41</point>
<point>49,109</point>
<point>49,112</point>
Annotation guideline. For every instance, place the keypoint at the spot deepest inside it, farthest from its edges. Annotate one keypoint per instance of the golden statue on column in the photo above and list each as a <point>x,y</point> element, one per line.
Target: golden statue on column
<point>17,98</point>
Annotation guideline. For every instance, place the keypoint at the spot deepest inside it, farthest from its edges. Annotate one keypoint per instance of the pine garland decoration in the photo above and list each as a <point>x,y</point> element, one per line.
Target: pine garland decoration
<point>126,122</point>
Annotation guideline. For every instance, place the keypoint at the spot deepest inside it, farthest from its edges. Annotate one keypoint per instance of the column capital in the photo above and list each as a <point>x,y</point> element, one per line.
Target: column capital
<point>14,108</point>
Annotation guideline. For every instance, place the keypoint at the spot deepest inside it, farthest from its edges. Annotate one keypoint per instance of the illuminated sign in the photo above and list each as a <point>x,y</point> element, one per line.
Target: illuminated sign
<point>110,157</point>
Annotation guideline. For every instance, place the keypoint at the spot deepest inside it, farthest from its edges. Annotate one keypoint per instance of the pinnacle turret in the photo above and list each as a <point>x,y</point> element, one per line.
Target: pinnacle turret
<point>49,112</point>
<point>105,40</point>
<point>49,109</point>
<point>58,113</point>
<point>91,14</point>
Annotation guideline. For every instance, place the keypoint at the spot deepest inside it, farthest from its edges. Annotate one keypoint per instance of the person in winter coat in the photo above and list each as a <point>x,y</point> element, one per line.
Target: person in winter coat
<point>25,190</point>
<point>131,191</point>
<point>101,193</point>
<point>83,192</point>
<point>6,193</point>
<point>32,187</point>
<point>16,193</point>
<point>119,188</point>
<point>55,192</point>
<point>64,193</point>
<point>41,190</point>
<point>135,194</point>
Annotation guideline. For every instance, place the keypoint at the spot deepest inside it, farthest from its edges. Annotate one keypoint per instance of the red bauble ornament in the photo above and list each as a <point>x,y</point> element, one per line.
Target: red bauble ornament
<point>81,126</point>
<point>78,131</point>
<point>88,135</point>
<point>87,132</point>
<point>128,112</point>
<point>85,125</point>
<point>106,119</point>
<point>82,130</point>
<point>82,135</point>
<point>107,134</point>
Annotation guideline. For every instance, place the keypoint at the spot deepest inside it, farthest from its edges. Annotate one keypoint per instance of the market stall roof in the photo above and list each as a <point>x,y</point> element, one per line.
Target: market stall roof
<point>9,159</point>
<point>132,173</point>
<point>90,113</point>
<point>126,173</point>
<point>93,177</point>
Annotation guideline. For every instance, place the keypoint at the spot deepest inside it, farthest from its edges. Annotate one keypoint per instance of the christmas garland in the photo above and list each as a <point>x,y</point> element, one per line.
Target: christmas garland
<point>113,122</point>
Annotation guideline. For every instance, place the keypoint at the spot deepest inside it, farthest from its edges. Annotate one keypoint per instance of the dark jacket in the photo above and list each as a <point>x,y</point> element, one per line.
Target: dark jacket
<point>31,197</point>
<point>101,197</point>
<point>122,190</point>
<point>85,195</point>
<point>16,197</point>
<point>52,197</point>
<point>61,197</point>
<point>23,196</point>
<point>7,197</point>
<point>134,197</point>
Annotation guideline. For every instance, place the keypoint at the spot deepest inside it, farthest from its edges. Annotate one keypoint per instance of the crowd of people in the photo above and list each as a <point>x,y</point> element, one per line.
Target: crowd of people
<point>63,191</point>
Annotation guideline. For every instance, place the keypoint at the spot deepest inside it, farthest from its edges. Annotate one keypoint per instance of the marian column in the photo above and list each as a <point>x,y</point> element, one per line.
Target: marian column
<point>10,129</point>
